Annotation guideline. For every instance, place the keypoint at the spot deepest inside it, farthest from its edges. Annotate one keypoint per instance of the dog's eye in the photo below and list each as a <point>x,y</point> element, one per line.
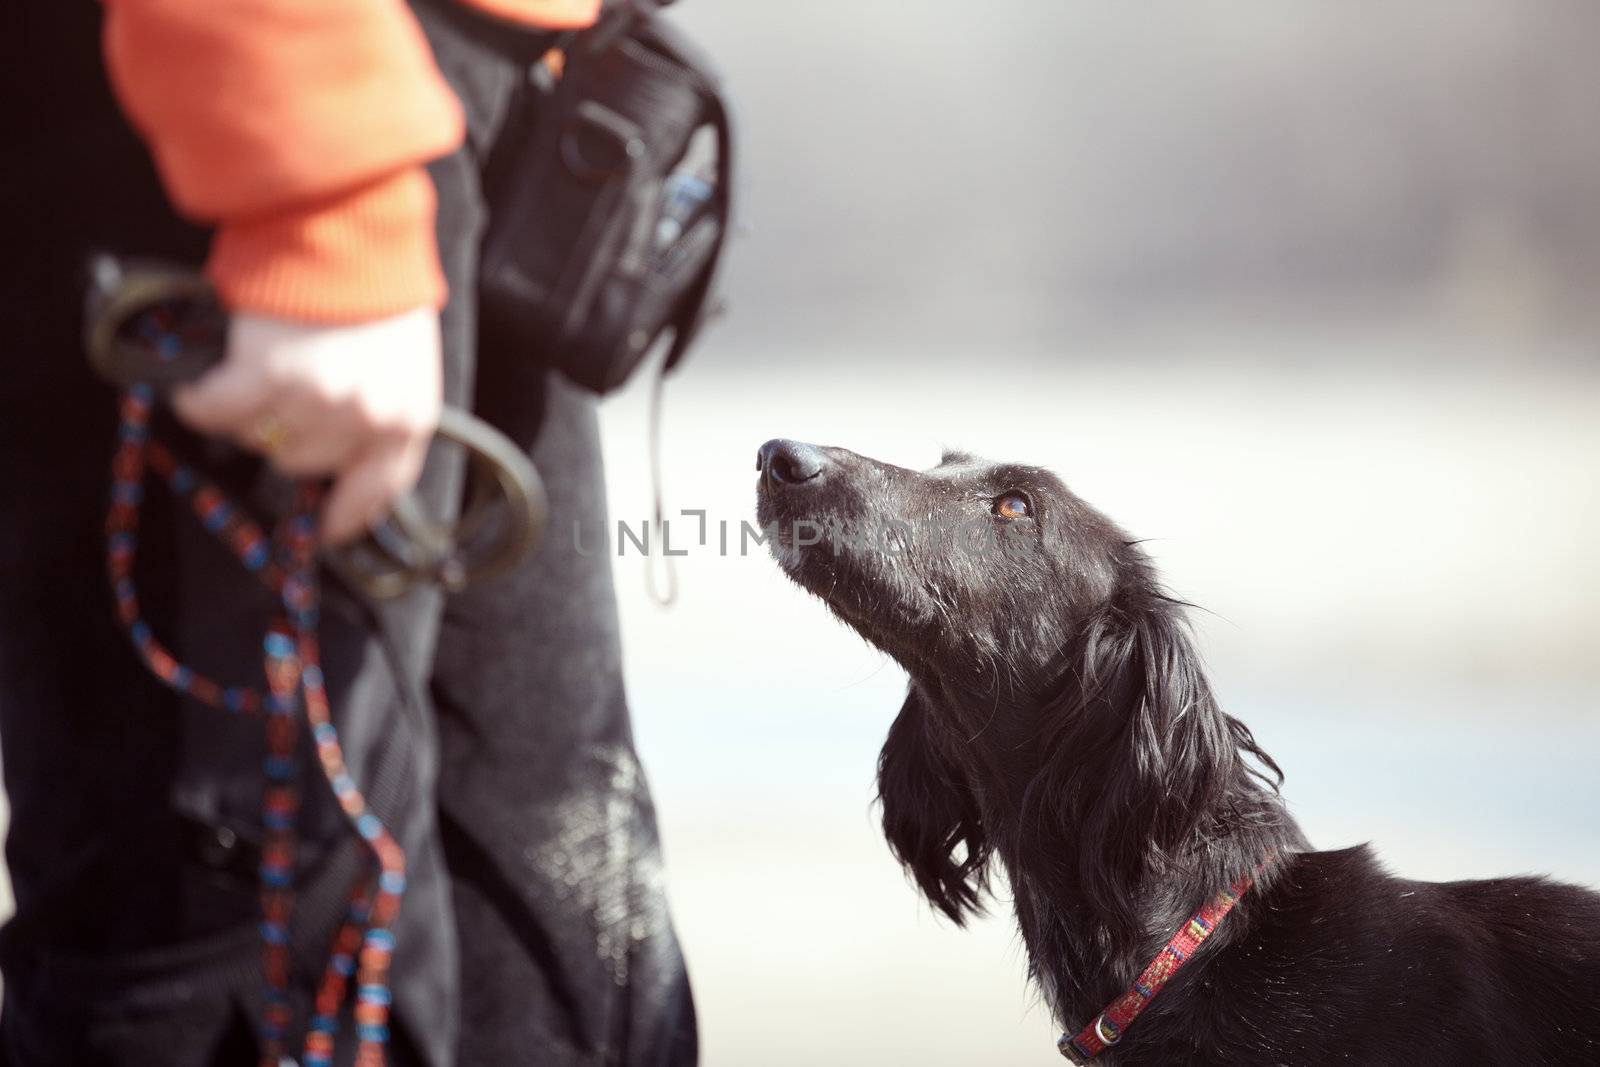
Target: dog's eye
<point>1013,506</point>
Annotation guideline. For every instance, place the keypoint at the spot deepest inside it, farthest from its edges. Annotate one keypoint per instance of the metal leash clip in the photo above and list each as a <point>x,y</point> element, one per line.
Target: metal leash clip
<point>160,325</point>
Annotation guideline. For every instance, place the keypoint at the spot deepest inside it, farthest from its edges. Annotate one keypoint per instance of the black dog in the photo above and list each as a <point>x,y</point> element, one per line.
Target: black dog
<point>1059,722</point>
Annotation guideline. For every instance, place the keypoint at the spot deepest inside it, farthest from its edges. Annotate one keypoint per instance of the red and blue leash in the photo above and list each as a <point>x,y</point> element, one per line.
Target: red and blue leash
<point>286,564</point>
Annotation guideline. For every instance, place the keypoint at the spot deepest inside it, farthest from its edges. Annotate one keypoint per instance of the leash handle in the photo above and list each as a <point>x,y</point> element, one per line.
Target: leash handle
<point>150,323</point>
<point>153,324</point>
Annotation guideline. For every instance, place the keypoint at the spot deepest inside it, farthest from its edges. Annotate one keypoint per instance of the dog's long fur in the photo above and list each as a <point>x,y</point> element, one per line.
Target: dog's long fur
<point>1059,722</point>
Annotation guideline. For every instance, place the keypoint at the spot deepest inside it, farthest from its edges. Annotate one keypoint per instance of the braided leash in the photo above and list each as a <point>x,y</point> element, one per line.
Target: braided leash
<point>285,564</point>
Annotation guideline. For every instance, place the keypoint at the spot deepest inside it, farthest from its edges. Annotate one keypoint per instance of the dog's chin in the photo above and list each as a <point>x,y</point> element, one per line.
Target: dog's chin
<point>847,586</point>
<point>808,566</point>
<point>816,568</point>
<point>778,516</point>
<point>843,590</point>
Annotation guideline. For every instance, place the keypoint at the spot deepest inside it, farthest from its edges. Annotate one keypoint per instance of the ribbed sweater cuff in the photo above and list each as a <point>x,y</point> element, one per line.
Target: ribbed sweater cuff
<point>549,14</point>
<point>365,253</point>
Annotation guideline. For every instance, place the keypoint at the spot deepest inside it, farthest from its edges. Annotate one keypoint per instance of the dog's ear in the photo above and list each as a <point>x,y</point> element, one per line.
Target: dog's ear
<point>930,816</point>
<point>1141,758</point>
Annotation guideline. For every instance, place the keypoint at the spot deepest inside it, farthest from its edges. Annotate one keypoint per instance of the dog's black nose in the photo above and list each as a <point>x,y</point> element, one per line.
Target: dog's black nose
<point>785,462</point>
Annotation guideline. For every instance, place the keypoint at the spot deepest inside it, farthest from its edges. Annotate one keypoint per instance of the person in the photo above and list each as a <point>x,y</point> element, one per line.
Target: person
<point>326,163</point>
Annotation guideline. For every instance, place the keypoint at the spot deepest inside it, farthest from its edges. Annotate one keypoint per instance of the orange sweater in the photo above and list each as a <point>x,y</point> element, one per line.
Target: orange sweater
<point>299,127</point>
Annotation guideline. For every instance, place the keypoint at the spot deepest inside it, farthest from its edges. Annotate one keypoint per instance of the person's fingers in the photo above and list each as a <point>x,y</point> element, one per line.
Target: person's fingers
<point>364,491</point>
<point>222,400</point>
<point>314,439</point>
<point>356,401</point>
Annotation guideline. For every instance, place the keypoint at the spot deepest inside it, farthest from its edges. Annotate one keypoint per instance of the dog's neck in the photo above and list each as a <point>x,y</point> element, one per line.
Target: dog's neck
<point>1094,899</point>
<point>1075,953</point>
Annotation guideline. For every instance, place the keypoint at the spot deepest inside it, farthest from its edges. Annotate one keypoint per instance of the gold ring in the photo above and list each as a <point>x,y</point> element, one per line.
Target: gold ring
<point>271,434</point>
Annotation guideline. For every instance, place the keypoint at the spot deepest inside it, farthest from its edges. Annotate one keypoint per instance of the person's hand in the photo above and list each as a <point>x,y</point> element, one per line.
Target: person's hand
<point>358,403</point>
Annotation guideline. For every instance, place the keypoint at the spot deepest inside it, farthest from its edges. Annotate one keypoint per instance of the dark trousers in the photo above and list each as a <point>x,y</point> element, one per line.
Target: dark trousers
<point>489,732</point>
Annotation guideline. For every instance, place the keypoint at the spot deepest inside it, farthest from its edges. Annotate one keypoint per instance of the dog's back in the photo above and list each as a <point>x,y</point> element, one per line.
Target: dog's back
<point>1342,963</point>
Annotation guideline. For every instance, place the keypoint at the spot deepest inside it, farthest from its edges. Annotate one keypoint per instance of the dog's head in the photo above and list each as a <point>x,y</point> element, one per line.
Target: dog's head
<point>973,570</point>
<point>1058,712</point>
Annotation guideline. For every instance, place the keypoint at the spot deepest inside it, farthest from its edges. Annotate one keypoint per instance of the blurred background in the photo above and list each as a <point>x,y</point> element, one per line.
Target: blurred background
<point>1305,292</point>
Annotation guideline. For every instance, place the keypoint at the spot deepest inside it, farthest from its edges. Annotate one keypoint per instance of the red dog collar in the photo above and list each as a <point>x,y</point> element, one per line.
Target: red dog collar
<point>1108,1027</point>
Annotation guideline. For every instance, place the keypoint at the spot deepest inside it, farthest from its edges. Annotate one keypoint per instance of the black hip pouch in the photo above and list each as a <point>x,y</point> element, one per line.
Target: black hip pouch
<point>607,222</point>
